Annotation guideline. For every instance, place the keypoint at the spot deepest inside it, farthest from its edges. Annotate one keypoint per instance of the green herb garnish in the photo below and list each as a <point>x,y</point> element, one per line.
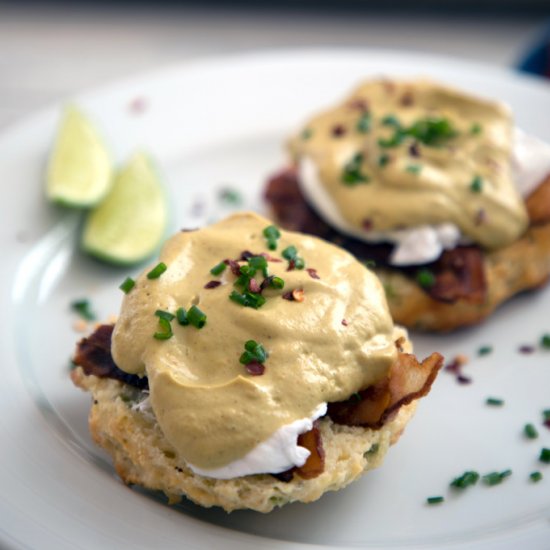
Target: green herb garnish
<point>484,350</point>
<point>276,282</point>
<point>535,476</point>
<point>83,308</point>
<point>391,120</point>
<point>432,131</point>
<point>495,478</point>
<point>166,330</point>
<point>475,129</point>
<point>383,160</point>
<point>371,264</point>
<point>414,169</point>
<point>307,133</point>
<point>530,431</point>
<point>477,185</point>
<point>435,500</point>
<point>364,123</point>
<point>546,415</point>
<point>196,317</point>
<point>157,271</point>
<point>127,285</point>
<point>230,196</point>
<point>290,253</point>
<point>218,269</point>
<point>181,316</point>
<point>425,278</point>
<point>164,314</point>
<point>258,263</point>
<point>465,480</point>
<point>272,235</point>
<point>247,299</point>
<point>253,352</point>
<point>545,341</point>
<point>352,174</point>
<point>494,402</point>
<point>545,455</point>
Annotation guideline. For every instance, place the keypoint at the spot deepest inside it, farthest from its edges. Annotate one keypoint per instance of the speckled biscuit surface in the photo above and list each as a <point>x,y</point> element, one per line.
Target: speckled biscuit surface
<point>128,431</point>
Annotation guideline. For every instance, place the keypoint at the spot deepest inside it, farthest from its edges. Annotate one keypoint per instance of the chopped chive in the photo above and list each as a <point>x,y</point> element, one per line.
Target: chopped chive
<point>352,174</point>
<point>370,264</point>
<point>196,317</point>
<point>535,476</point>
<point>164,314</point>
<point>272,234</point>
<point>475,129</point>
<point>466,479</point>
<point>364,123</point>
<point>484,350</point>
<point>258,262</point>
<point>393,141</point>
<point>277,282</point>
<point>545,455</point>
<point>494,402</point>
<point>127,285</point>
<point>181,316</point>
<point>495,478</point>
<point>391,120</point>
<point>166,330</point>
<point>307,133</point>
<point>290,252</point>
<point>435,500</point>
<point>383,160</point>
<point>545,341</point>
<point>477,185</point>
<point>230,196</point>
<point>425,278</point>
<point>356,396</point>
<point>299,263</point>
<point>530,431</point>
<point>546,415</point>
<point>247,299</point>
<point>83,308</point>
<point>157,271</point>
<point>254,352</point>
<point>414,169</point>
<point>218,269</point>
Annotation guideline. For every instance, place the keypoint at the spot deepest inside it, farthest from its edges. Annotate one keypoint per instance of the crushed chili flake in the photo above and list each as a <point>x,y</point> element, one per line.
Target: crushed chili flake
<point>246,255</point>
<point>367,224</point>
<point>359,104</point>
<point>339,130</point>
<point>481,217</point>
<point>270,258</point>
<point>212,284</point>
<point>414,150</point>
<point>455,367</point>
<point>526,349</point>
<point>461,379</point>
<point>288,296</point>
<point>255,368</point>
<point>234,266</point>
<point>266,283</point>
<point>312,273</point>
<point>253,286</point>
<point>345,323</point>
<point>407,99</point>
<point>298,295</point>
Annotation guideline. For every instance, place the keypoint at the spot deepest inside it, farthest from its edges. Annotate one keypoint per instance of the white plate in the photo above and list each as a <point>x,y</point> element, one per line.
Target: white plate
<point>222,123</point>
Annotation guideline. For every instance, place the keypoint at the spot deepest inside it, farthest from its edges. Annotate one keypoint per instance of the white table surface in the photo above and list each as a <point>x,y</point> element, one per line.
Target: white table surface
<point>48,54</point>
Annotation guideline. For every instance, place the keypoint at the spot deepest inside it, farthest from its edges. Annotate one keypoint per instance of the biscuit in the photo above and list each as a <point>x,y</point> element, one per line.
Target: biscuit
<point>122,424</point>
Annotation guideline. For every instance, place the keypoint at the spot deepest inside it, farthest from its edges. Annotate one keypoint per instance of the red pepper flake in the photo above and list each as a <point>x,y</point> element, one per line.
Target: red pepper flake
<point>345,323</point>
<point>367,224</point>
<point>461,379</point>
<point>138,105</point>
<point>270,258</point>
<point>253,286</point>
<point>288,296</point>
<point>246,255</point>
<point>455,367</point>
<point>254,368</point>
<point>312,273</point>
<point>291,265</point>
<point>298,295</point>
<point>359,104</point>
<point>526,349</point>
<point>414,151</point>
<point>407,99</point>
<point>234,266</point>
<point>481,217</point>
<point>212,284</point>
<point>547,423</point>
<point>266,282</point>
<point>339,130</point>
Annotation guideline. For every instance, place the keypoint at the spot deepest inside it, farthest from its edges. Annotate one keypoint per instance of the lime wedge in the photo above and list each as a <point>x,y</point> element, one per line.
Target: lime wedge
<point>79,169</point>
<point>129,224</point>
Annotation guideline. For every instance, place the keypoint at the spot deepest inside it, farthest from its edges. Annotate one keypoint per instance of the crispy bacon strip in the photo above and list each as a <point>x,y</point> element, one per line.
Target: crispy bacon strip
<point>93,354</point>
<point>315,463</point>
<point>407,380</point>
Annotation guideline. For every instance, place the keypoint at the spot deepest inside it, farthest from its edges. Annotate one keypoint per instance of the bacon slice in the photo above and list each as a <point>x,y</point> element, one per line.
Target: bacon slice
<point>93,354</point>
<point>315,463</point>
<point>407,380</point>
